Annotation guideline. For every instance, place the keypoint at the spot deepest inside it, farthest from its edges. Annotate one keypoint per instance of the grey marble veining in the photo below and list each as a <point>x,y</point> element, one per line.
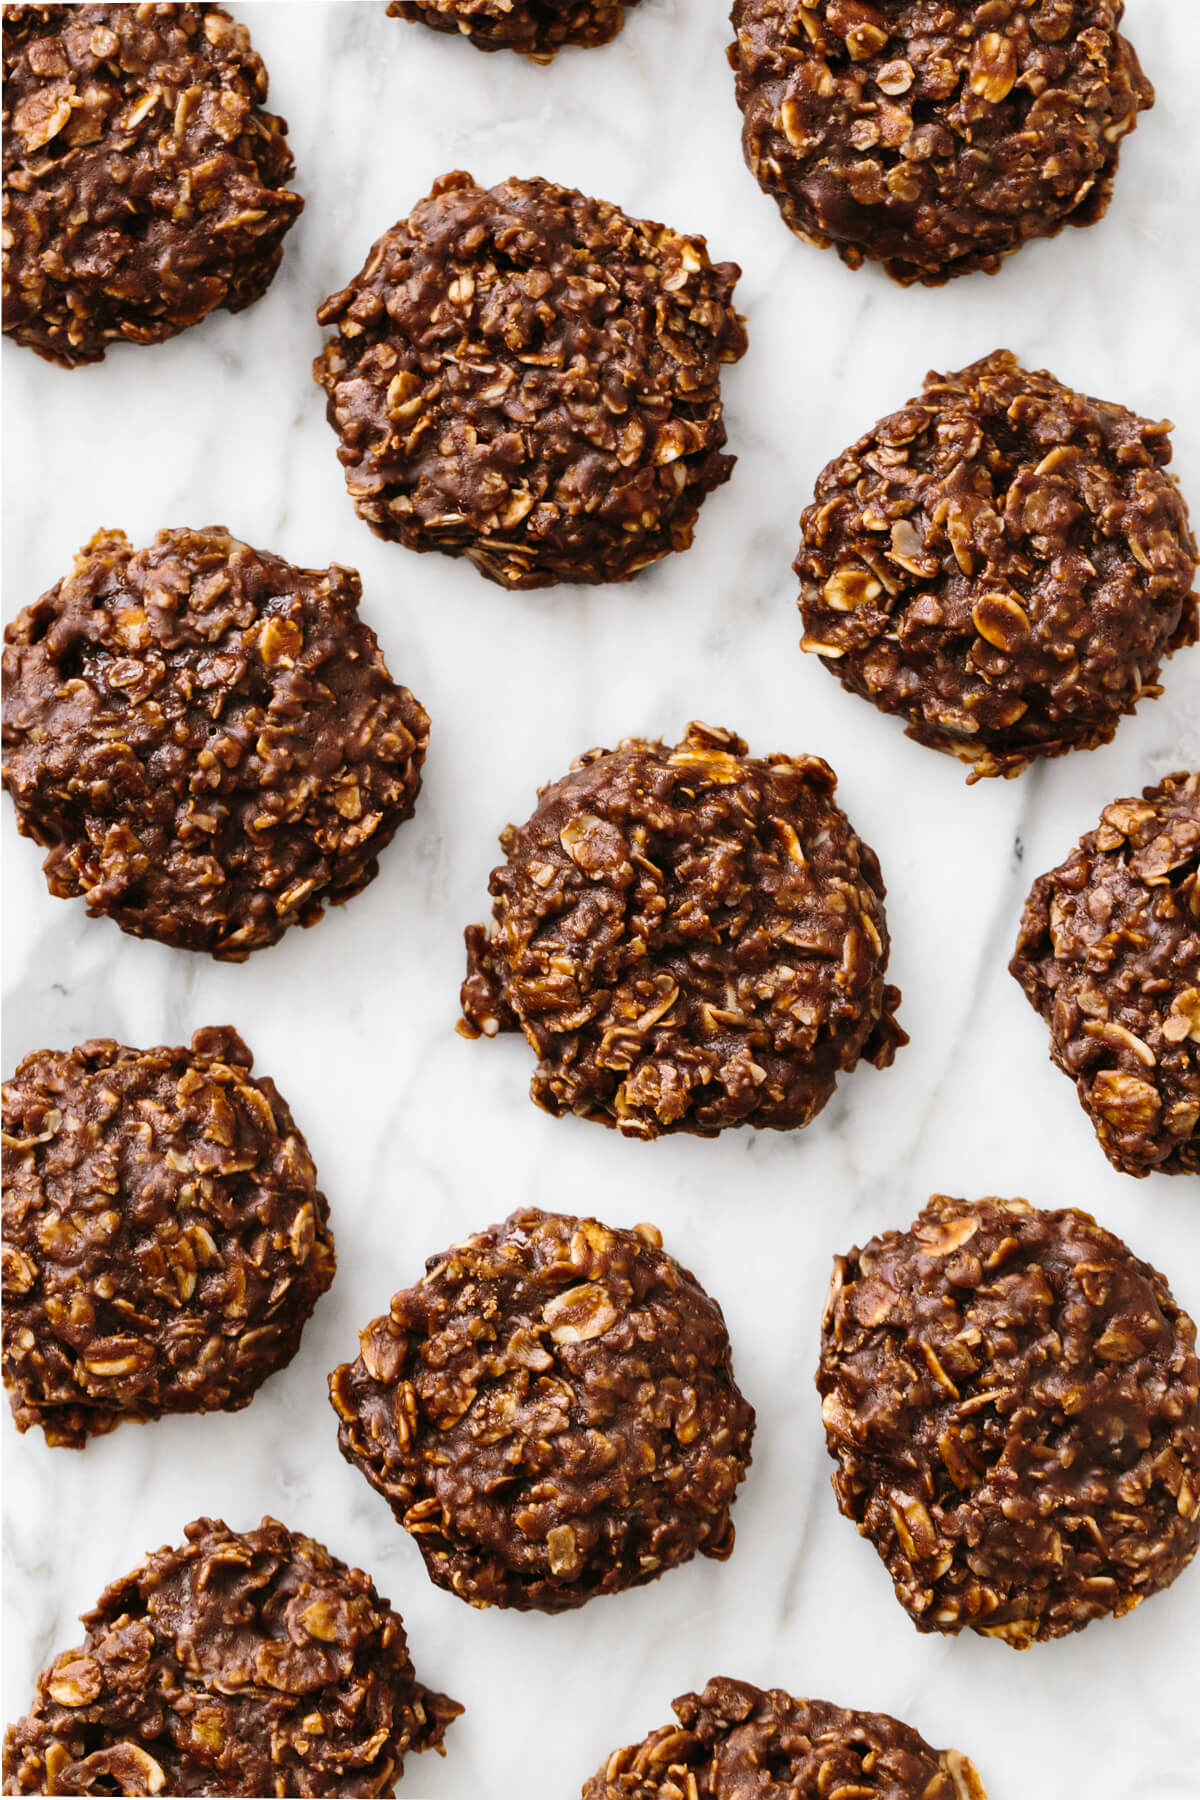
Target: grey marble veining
<point>421,1136</point>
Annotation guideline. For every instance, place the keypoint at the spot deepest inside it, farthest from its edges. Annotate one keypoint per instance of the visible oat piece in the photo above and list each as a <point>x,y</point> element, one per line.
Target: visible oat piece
<point>535,28</point>
<point>737,1742</point>
<point>531,379</point>
<point>1004,562</point>
<point>1109,954</point>
<point>934,136</point>
<point>206,739</point>
<point>551,1412</point>
<point>247,1663</point>
<point>164,1237</point>
<point>1013,1402</point>
<point>689,937</point>
<point>143,182</point>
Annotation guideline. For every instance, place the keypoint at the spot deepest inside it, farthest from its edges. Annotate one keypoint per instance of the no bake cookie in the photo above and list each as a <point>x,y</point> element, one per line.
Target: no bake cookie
<point>246,1663</point>
<point>934,136</point>
<point>737,1742</point>
<point>535,28</point>
<point>206,739</point>
<point>165,1240</point>
<point>144,183</point>
<point>1109,954</point>
<point>1012,1398</point>
<point>689,937</point>
<point>530,378</point>
<point>1004,563</point>
<point>551,1412</point>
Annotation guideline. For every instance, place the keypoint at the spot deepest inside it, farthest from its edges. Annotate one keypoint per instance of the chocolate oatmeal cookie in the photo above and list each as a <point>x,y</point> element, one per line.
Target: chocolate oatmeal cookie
<point>1109,954</point>
<point>528,378</point>
<point>536,28</point>
<point>1013,1402</point>
<point>1004,562</point>
<point>689,937</point>
<point>551,1412</point>
<point>206,739</point>
<point>737,1742</point>
<point>934,136</point>
<point>241,1663</point>
<point>144,184</point>
<point>164,1237</point>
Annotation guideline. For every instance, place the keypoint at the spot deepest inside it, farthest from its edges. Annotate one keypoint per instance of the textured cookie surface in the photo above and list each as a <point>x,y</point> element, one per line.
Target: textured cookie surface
<point>1013,1402</point>
<point>206,739</point>
<point>1004,563</point>
<point>536,28</point>
<point>144,184</point>
<point>164,1237</point>
<point>689,937</point>
<point>551,1412</point>
<point>1109,954</point>
<point>935,136</point>
<point>737,1742</point>
<point>250,1663</point>
<point>529,378</point>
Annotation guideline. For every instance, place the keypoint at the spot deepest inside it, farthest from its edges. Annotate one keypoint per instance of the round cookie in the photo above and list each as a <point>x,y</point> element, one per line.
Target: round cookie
<point>164,1237</point>
<point>529,378</point>
<point>933,138</point>
<point>735,1741</point>
<point>1004,562</point>
<point>551,1412</point>
<point>206,739</point>
<point>1013,1401</point>
<point>1109,954</point>
<point>240,1663</point>
<point>535,28</point>
<point>689,937</point>
<point>144,184</point>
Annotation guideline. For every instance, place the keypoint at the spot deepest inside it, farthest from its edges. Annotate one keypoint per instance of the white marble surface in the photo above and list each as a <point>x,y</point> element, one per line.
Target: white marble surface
<point>420,1136</point>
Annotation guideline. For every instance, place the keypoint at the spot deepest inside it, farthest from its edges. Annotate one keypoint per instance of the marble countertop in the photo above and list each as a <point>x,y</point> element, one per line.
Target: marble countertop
<point>420,1136</point>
